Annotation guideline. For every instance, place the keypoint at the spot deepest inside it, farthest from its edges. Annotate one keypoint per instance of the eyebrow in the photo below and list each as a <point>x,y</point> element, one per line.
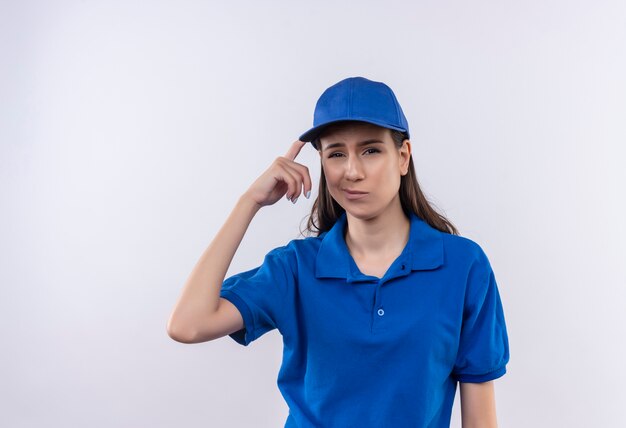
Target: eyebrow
<point>362,143</point>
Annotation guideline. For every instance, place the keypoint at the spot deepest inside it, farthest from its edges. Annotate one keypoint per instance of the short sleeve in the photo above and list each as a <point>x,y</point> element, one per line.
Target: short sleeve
<point>484,345</point>
<point>260,294</point>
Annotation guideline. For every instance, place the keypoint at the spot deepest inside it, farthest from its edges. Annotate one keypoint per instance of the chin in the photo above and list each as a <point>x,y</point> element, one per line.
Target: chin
<point>365,211</point>
<point>362,213</point>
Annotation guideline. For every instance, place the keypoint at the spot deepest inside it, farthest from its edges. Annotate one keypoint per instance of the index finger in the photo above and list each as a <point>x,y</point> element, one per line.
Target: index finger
<point>295,149</point>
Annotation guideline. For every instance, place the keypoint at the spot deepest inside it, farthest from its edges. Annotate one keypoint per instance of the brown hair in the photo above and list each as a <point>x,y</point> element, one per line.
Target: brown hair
<point>326,210</point>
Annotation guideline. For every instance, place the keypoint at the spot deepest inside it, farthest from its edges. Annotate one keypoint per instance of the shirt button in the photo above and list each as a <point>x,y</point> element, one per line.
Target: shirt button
<point>381,312</point>
<point>402,267</point>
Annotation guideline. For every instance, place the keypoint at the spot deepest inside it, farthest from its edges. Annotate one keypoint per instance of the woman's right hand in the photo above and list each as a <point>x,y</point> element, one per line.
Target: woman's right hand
<point>283,177</point>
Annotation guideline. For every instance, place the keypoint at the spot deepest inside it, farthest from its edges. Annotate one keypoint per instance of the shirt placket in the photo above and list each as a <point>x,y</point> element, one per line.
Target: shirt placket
<point>380,314</point>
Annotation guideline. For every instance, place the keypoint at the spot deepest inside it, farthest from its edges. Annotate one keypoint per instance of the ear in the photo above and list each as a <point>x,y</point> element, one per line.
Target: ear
<point>405,156</point>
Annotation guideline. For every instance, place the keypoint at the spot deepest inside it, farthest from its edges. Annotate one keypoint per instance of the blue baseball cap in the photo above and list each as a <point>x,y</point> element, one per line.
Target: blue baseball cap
<point>357,99</point>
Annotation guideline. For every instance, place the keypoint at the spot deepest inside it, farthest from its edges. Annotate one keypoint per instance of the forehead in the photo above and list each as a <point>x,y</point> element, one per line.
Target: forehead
<point>346,132</point>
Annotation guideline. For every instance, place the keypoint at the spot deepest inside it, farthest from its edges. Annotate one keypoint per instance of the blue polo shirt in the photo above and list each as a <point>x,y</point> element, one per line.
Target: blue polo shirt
<point>362,351</point>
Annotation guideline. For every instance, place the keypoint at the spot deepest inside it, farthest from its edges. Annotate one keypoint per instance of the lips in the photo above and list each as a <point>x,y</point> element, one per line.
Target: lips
<point>354,194</point>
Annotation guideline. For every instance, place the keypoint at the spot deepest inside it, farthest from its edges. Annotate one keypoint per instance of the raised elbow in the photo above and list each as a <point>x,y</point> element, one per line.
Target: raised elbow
<point>182,335</point>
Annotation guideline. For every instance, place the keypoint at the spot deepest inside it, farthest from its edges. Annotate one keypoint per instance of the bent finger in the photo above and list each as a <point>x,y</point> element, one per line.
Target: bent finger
<point>304,176</point>
<point>292,181</point>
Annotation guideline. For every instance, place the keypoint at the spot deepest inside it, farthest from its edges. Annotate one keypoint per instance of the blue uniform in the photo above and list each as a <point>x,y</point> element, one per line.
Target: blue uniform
<point>361,351</point>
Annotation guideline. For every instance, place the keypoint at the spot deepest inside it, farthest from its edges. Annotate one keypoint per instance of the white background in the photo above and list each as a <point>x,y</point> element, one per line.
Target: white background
<point>129,129</point>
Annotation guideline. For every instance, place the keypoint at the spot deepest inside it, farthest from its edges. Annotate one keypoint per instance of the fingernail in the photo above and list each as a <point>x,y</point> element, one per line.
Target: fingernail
<point>294,201</point>
<point>308,194</point>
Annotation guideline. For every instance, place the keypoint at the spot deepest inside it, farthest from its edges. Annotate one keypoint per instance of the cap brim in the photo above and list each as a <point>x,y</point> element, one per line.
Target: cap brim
<point>314,132</point>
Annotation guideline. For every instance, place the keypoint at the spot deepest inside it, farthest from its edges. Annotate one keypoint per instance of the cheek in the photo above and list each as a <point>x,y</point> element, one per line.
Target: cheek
<point>332,176</point>
<point>392,177</point>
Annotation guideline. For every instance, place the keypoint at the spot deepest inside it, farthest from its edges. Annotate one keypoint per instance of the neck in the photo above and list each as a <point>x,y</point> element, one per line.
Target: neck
<point>382,235</point>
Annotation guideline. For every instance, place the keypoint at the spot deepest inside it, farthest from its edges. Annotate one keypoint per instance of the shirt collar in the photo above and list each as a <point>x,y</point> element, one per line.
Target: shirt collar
<point>424,250</point>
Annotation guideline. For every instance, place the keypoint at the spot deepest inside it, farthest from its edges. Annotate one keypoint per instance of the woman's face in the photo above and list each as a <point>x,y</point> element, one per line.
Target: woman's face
<point>363,167</point>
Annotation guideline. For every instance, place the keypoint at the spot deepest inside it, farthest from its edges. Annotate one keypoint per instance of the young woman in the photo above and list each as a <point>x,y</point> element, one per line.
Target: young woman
<point>385,310</point>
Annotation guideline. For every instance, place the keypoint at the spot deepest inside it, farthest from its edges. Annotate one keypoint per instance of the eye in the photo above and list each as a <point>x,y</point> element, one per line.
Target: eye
<point>335,155</point>
<point>371,150</point>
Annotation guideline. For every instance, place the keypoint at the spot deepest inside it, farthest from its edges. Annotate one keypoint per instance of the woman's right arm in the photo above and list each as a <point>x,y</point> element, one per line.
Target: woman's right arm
<point>201,314</point>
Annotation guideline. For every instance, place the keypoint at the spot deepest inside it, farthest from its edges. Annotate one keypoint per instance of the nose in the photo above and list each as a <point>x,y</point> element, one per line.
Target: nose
<point>354,169</point>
